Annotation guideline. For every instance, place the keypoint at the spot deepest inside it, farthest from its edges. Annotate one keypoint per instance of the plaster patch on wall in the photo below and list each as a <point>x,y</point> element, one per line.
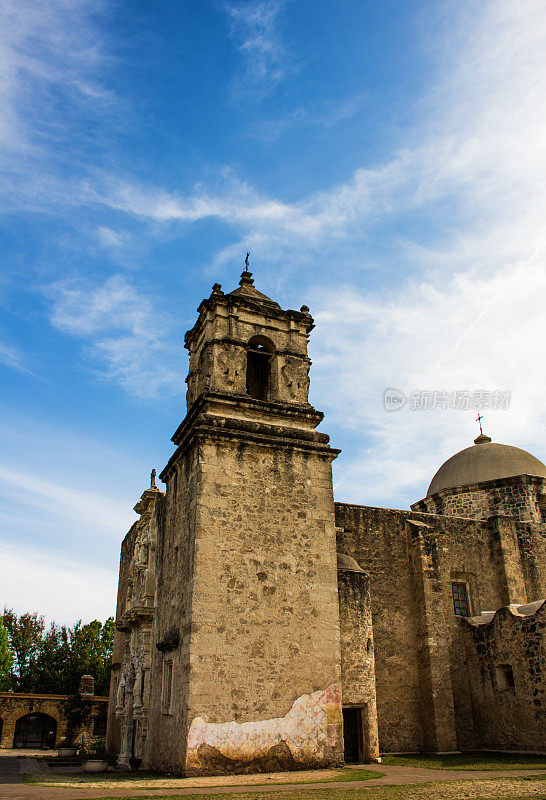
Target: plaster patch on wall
<point>311,730</point>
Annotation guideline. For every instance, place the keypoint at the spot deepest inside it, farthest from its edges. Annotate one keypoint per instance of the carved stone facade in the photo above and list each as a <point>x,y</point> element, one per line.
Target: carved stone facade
<point>262,626</point>
<point>130,686</point>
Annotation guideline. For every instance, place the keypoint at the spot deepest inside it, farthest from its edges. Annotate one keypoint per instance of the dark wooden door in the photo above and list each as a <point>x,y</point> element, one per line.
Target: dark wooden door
<point>351,734</point>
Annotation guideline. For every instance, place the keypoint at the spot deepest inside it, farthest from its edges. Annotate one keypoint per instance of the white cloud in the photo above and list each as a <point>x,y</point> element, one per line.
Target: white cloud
<point>61,589</point>
<point>469,333</point>
<point>111,239</point>
<point>105,514</point>
<point>463,194</point>
<point>325,115</point>
<point>253,27</point>
<point>51,53</point>
<point>128,336</point>
<point>12,357</point>
<point>470,175</point>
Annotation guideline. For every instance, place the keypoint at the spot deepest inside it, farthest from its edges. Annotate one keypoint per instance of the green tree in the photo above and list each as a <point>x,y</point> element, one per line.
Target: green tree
<point>25,639</point>
<point>53,660</point>
<point>6,659</point>
<point>91,647</point>
<point>52,668</point>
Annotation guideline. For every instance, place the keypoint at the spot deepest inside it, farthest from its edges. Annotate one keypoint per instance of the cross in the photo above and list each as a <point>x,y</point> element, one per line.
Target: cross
<point>246,260</point>
<point>479,420</point>
<point>152,479</point>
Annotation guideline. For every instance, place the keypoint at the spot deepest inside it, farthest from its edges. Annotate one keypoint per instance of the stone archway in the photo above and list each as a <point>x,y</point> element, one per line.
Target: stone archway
<point>35,730</point>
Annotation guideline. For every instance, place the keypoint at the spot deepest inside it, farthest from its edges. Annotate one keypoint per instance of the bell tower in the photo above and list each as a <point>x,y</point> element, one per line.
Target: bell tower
<point>247,571</point>
<point>243,343</point>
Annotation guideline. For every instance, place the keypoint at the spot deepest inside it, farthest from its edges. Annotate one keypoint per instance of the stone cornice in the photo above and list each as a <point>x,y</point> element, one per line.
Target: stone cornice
<point>208,426</point>
<point>269,309</point>
<point>284,410</point>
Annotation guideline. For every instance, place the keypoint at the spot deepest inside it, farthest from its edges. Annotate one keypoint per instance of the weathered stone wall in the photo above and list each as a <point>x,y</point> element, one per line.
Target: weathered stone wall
<point>14,705</point>
<point>113,733</point>
<point>265,610</point>
<point>517,497</point>
<point>357,655</point>
<point>411,568</point>
<point>172,630</point>
<point>503,717</point>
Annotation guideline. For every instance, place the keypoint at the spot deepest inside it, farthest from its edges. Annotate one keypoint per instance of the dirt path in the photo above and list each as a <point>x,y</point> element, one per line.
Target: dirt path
<point>485,783</point>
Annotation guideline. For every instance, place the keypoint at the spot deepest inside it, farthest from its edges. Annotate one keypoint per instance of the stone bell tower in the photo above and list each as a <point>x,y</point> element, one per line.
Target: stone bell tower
<point>246,672</point>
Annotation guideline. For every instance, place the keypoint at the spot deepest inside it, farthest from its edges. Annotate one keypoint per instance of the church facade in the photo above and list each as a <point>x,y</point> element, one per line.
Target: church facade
<point>261,625</point>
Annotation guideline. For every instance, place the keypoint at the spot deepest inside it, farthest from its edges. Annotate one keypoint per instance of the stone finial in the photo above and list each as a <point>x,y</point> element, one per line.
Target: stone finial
<point>87,686</point>
<point>152,479</point>
<point>217,288</point>
<point>304,309</point>
<point>246,278</point>
<point>482,439</point>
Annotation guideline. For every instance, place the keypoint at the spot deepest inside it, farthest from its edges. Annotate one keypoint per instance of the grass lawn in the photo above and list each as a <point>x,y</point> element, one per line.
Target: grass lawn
<point>72,779</point>
<point>468,790</point>
<point>492,761</point>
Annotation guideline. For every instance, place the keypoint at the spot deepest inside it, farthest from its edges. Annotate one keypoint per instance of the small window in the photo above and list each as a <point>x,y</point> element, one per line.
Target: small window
<point>166,692</point>
<point>461,605</point>
<point>542,513</point>
<point>504,677</point>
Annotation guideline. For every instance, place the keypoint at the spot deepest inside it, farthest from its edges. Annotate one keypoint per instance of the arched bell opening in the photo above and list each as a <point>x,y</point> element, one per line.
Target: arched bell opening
<point>258,367</point>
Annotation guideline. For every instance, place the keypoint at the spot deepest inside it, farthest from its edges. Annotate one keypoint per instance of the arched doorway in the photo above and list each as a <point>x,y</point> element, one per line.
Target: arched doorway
<point>35,730</point>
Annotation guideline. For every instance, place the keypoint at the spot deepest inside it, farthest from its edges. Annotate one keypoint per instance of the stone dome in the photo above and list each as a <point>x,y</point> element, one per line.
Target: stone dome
<point>485,461</point>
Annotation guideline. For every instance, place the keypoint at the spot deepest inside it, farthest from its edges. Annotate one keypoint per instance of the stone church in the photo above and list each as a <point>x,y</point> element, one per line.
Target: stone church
<point>263,626</point>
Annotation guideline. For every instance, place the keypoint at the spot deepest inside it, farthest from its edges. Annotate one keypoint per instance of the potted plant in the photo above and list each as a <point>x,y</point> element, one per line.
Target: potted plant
<point>66,748</point>
<point>93,754</point>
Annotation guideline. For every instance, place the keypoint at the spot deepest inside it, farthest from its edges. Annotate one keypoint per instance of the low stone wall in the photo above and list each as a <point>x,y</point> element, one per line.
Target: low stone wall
<point>503,670</point>
<point>13,706</point>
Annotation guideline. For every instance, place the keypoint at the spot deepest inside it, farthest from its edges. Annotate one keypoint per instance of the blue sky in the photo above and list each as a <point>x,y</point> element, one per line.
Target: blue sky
<point>384,163</point>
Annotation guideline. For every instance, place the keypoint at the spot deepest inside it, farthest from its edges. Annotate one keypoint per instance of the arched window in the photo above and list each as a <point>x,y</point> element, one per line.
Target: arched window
<point>258,367</point>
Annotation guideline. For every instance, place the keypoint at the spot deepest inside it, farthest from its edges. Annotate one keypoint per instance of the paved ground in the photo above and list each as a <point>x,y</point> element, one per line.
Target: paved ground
<point>13,789</point>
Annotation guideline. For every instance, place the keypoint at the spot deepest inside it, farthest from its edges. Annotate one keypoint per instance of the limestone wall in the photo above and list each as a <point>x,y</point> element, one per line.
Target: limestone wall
<point>172,629</point>
<point>496,651</point>
<point>357,655</point>
<point>412,560</point>
<point>113,733</point>
<point>265,628</point>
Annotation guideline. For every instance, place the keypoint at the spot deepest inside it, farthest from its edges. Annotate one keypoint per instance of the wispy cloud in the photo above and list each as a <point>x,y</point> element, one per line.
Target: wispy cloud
<point>106,513</point>
<point>468,182</point>
<point>326,115</point>
<point>51,53</point>
<point>428,335</point>
<point>126,334</point>
<point>253,28</point>
<point>50,580</point>
<point>12,357</point>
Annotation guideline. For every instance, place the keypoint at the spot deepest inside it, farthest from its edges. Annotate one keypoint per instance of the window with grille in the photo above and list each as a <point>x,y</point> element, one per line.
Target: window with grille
<point>461,605</point>
<point>99,726</point>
